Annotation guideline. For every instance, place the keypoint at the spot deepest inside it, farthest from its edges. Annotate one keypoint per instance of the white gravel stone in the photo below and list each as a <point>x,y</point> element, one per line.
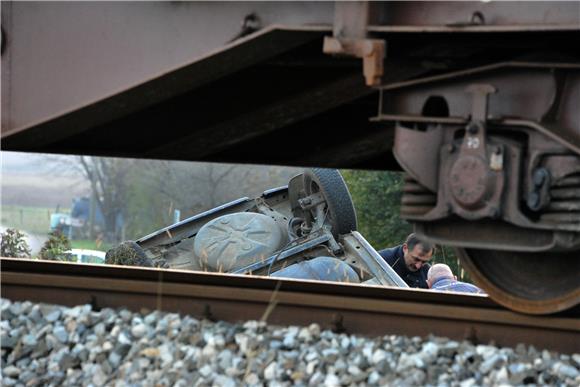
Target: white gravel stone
<point>492,362</point>
<point>99,377</point>
<point>378,356</point>
<point>565,370</point>
<point>61,334</point>
<point>123,338</point>
<point>223,381</point>
<point>11,371</point>
<point>29,340</point>
<point>139,331</point>
<point>468,382</point>
<point>270,371</point>
<point>331,380</point>
<point>374,378</point>
<point>311,367</point>
<point>122,348</point>
<point>252,379</point>
<point>206,371</point>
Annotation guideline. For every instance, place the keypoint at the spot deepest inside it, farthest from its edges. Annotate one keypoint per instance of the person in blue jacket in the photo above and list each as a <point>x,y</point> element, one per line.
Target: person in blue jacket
<point>440,277</point>
<point>410,260</point>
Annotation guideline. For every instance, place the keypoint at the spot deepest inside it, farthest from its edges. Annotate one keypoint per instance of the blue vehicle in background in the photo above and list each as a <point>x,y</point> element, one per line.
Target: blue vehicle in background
<point>76,224</point>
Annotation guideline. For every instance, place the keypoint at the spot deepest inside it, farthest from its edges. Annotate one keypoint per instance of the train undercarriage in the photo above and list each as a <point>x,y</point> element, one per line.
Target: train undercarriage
<point>478,103</point>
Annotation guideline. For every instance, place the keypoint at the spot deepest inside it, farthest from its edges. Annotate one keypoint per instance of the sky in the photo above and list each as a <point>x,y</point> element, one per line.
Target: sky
<point>26,179</point>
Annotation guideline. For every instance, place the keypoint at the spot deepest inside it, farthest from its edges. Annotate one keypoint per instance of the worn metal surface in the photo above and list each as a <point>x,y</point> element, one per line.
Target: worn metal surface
<point>62,56</point>
<point>364,310</point>
<point>476,156</point>
<point>270,86</point>
<point>458,14</point>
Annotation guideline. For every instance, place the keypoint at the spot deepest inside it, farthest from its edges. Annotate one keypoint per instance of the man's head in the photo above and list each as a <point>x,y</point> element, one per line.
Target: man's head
<point>437,272</point>
<point>416,252</point>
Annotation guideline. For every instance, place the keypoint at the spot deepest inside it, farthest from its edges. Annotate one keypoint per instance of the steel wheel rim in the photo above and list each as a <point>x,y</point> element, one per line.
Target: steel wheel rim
<point>530,283</point>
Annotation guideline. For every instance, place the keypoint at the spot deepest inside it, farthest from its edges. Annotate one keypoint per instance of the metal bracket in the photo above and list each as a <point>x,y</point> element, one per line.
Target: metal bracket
<point>351,19</point>
<point>372,52</point>
<point>481,94</point>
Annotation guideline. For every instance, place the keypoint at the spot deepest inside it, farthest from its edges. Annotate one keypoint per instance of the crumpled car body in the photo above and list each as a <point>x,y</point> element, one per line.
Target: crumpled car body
<point>305,230</point>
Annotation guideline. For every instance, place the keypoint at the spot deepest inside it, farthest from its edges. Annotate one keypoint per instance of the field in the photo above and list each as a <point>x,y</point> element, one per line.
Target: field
<point>36,221</point>
<point>33,220</point>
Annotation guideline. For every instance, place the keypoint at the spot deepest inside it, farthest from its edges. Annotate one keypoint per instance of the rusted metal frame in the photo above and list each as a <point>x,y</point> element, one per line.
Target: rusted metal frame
<point>569,141</point>
<point>265,44</point>
<point>424,215</point>
<point>265,120</point>
<point>211,279</point>
<point>476,174</point>
<point>489,234</point>
<point>416,308</point>
<point>418,317</point>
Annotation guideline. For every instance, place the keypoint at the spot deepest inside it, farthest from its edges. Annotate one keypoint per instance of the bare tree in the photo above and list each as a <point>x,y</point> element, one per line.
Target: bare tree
<point>109,186</point>
<point>196,187</point>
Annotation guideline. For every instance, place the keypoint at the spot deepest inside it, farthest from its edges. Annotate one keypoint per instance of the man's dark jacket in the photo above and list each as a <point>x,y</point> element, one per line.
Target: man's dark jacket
<point>395,257</point>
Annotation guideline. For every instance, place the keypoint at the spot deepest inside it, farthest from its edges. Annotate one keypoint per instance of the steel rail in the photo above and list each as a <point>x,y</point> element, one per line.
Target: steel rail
<point>365,310</point>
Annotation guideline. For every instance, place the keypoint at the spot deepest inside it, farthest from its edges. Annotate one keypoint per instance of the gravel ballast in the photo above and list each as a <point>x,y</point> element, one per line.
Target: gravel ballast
<point>53,345</point>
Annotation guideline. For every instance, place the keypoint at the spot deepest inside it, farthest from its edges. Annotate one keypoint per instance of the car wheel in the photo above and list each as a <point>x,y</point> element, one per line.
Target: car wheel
<point>340,209</point>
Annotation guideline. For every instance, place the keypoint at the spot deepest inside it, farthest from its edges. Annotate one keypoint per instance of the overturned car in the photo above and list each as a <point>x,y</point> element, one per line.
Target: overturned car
<point>306,230</point>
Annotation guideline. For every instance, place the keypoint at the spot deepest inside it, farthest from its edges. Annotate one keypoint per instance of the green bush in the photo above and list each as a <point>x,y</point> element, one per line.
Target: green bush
<point>54,248</point>
<point>377,198</point>
<point>13,244</point>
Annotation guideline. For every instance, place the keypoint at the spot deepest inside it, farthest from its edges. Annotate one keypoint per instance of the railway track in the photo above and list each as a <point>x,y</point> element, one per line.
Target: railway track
<point>356,309</point>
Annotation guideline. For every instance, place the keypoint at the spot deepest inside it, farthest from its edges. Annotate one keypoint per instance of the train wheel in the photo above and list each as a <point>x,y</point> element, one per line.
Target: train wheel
<point>534,283</point>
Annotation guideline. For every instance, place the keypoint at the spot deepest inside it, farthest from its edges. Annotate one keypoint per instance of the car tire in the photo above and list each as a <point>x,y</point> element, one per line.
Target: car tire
<point>331,185</point>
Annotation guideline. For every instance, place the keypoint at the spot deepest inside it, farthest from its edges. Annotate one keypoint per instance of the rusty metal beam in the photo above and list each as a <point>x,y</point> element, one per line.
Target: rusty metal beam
<point>364,310</point>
